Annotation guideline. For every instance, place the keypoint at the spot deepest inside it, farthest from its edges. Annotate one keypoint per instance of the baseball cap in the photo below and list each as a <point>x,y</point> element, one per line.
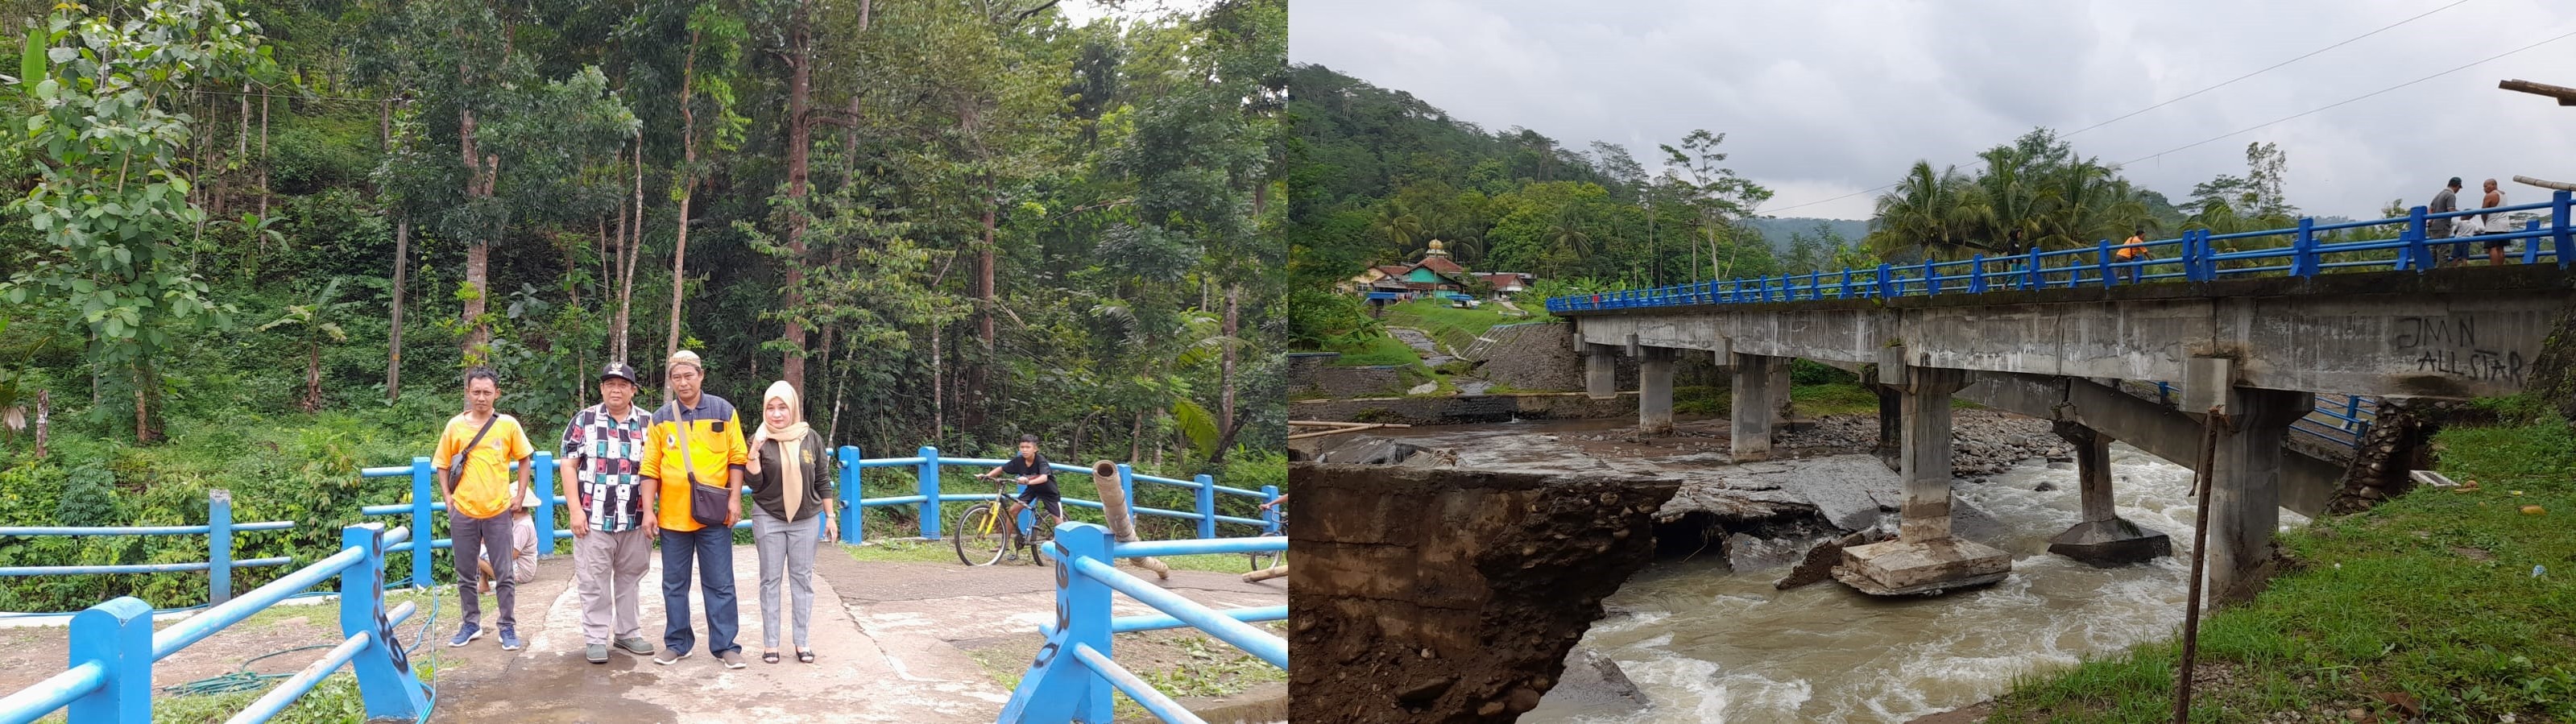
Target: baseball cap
<point>618,370</point>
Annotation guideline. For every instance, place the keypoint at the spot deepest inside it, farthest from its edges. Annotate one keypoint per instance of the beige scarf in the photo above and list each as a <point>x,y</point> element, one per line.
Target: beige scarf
<point>791,441</point>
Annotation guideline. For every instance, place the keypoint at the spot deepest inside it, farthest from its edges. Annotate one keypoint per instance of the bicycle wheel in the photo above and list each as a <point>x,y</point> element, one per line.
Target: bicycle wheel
<point>981,536</point>
<point>1261,559</point>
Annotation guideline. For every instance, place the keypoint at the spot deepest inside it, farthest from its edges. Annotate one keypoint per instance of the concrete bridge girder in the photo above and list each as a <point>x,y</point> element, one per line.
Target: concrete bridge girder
<point>2450,345</point>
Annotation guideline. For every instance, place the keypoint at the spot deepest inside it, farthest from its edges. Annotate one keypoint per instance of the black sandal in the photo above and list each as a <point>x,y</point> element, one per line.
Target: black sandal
<point>805,656</point>
<point>769,657</point>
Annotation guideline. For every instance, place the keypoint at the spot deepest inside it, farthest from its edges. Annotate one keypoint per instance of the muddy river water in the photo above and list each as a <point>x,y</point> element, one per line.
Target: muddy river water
<point>1703,643</point>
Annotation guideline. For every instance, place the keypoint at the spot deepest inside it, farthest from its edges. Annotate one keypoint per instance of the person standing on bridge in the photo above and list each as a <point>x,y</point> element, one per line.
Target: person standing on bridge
<point>2494,222</point>
<point>475,452</point>
<point>2446,201</point>
<point>612,532</point>
<point>694,456</point>
<point>2135,250</point>
<point>790,475</point>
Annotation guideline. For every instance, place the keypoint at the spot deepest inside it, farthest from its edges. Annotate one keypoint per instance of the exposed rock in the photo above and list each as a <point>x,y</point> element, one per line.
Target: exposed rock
<point>1496,575</point>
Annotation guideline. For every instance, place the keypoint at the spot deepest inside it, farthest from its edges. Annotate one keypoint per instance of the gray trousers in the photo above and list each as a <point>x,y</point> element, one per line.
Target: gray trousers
<point>608,569</point>
<point>786,551</point>
<point>490,537</point>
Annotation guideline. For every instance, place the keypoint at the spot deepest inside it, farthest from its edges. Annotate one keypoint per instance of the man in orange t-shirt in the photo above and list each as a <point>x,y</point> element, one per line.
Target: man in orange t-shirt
<point>2135,249</point>
<point>478,446</point>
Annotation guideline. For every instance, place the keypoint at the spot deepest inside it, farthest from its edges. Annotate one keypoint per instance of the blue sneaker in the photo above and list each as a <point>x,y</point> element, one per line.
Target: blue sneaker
<point>509,639</point>
<point>465,635</point>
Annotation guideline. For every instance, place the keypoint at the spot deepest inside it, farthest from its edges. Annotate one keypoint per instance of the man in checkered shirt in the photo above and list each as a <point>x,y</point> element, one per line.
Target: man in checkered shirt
<point>603,450</point>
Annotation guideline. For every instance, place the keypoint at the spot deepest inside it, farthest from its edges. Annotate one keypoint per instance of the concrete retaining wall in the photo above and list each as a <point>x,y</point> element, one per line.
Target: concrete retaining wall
<point>1466,409</point>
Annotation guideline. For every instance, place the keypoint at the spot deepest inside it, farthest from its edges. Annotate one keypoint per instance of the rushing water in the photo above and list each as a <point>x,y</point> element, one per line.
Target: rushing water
<point>1707,645</point>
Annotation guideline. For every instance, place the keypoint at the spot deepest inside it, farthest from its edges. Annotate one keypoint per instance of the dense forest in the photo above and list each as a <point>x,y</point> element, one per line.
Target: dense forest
<point>1375,174</point>
<point>252,245</point>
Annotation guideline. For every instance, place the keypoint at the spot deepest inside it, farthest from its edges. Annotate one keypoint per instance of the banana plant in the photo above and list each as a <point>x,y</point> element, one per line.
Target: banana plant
<point>319,322</point>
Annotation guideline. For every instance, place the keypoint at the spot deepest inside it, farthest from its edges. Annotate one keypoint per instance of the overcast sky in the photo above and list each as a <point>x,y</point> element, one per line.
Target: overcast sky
<point>1820,100</point>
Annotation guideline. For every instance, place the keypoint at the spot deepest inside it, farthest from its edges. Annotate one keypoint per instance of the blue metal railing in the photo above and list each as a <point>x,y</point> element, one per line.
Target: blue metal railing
<point>113,647</point>
<point>927,498</point>
<point>1073,674</point>
<point>2195,257</point>
<point>218,530</point>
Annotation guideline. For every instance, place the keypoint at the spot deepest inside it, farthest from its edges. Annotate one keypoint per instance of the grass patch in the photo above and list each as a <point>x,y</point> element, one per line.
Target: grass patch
<point>1455,327</point>
<point>1806,400</point>
<point>1374,350</point>
<point>2429,598</point>
<point>1181,663</point>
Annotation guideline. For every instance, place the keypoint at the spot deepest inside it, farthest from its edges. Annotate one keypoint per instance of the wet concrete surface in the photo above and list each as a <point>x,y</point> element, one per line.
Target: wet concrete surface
<point>884,634</point>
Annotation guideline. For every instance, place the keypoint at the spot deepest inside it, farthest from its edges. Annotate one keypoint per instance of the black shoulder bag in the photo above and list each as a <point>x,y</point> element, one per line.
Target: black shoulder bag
<point>706,502</point>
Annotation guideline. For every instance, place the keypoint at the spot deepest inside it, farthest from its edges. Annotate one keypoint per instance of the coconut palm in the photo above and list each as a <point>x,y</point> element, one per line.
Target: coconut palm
<point>1927,215</point>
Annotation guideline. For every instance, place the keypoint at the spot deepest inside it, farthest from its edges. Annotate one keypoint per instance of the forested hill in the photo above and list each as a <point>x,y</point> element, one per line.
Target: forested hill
<point>951,223</point>
<point>1375,174</point>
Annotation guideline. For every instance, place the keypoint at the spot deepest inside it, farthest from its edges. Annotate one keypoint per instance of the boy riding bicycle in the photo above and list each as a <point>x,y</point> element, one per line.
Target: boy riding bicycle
<point>1031,470</point>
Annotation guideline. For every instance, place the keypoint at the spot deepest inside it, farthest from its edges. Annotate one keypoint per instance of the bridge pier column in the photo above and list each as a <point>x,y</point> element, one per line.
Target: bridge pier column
<point>2102,538</point>
<point>1655,391</point>
<point>1924,558</point>
<point>2245,502</point>
<point>1781,386</point>
<point>1751,391</point>
<point>1600,372</point>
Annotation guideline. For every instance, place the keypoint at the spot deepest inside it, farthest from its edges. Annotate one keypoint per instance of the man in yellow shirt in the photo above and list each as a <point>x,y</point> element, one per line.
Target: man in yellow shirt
<point>695,440</point>
<point>474,456</point>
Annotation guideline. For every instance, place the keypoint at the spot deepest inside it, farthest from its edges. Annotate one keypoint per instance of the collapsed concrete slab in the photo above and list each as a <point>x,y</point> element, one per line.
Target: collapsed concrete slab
<point>1447,595</point>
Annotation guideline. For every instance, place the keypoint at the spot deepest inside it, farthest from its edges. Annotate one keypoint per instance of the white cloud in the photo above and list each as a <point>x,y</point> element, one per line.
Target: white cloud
<point>1819,100</point>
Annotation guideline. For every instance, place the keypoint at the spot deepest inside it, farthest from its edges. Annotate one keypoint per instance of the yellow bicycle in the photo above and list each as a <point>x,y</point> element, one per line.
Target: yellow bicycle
<point>988,532</point>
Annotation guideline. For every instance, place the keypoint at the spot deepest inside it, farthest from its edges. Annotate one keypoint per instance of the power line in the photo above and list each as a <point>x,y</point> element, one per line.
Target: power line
<point>2305,113</point>
<point>2267,69</point>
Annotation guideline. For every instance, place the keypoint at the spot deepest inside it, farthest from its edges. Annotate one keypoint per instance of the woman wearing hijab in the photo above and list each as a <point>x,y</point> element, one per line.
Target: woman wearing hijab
<point>790,476</point>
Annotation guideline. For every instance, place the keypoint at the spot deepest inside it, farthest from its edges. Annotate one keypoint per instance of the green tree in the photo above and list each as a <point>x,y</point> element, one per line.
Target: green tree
<point>98,95</point>
<point>320,321</point>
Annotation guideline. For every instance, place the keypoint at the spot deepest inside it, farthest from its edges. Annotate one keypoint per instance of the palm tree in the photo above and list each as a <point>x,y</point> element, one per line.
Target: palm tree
<point>1928,213</point>
<point>1400,225</point>
<point>1567,235</point>
<point>319,322</point>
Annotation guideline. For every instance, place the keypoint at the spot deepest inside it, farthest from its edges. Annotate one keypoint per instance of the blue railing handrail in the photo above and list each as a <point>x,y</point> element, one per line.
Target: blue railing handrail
<point>928,496</point>
<point>1073,673</point>
<point>2198,260</point>
<point>219,564</point>
<point>113,646</point>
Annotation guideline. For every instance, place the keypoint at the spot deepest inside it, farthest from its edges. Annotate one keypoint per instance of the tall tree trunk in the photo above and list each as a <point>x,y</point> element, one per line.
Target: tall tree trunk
<point>263,157</point>
<point>938,399</point>
<point>979,375</point>
<point>688,186</point>
<point>478,250</point>
<point>313,378</point>
<point>634,248</point>
<point>145,432</point>
<point>44,419</point>
<point>1225,370</point>
<point>393,346</point>
<point>1136,438</point>
<point>800,149</point>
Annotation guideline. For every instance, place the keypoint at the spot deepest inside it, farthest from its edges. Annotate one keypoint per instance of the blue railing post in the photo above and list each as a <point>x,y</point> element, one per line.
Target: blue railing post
<point>544,487</point>
<point>118,635</point>
<point>1815,284</point>
<point>1207,506</point>
<point>2419,253</point>
<point>1844,292</point>
<point>2562,238</point>
<point>1127,487</point>
<point>2104,250</point>
<point>929,474</point>
<point>386,681</point>
<point>219,546</point>
<point>1931,279</point>
<point>2351,412</point>
<point>1977,274</point>
<point>424,530</point>
<point>1885,270</point>
<point>1058,686</point>
<point>1270,515</point>
<point>2531,244</point>
<point>853,517</point>
<point>2303,249</point>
